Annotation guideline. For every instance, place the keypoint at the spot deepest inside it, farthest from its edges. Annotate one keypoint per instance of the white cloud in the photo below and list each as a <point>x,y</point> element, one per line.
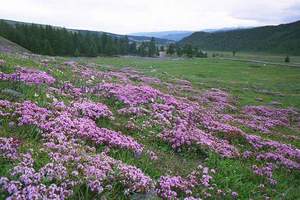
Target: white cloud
<point>125,16</point>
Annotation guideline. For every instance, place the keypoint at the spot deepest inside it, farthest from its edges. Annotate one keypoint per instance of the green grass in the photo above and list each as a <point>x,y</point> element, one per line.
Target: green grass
<point>266,57</point>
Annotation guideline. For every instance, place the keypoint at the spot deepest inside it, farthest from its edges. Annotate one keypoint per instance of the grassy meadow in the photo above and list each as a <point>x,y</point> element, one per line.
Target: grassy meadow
<point>247,81</point>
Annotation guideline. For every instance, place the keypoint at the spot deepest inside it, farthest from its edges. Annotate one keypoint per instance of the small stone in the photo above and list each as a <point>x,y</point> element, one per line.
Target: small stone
<point>151,195</point>
<point>12,93</point>
<point>45,61</point>
<point>70,63</point>
<point>11,124</point>
<point>259,99</point>
<point>2,62</point>
<point>138,155</point>
<point>275,103</point>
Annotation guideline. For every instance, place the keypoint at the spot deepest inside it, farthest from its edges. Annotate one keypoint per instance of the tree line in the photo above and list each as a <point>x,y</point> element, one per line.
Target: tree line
<point>49,40</point>
<point>186,50</point>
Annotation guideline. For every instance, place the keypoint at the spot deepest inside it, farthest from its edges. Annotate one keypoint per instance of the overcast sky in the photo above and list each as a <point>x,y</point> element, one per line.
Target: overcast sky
<point>127,16</point>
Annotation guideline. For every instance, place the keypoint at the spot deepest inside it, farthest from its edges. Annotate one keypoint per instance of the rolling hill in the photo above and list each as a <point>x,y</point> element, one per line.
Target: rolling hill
<point>284,38</point>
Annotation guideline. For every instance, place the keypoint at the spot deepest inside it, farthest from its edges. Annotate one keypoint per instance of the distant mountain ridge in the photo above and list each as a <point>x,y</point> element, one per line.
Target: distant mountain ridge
<point>284,38</point>
<point>179,35</point>
<point>130,37</point>
<point>214,30</point>
<point>168,35</point>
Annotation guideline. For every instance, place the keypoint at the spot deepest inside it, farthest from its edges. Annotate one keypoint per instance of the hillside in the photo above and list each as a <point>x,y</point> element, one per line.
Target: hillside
<point>283,38</point>
<point>10,47</point>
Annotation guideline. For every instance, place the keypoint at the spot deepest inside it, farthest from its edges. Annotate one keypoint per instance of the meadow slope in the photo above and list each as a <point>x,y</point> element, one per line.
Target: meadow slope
<point>139,128</point>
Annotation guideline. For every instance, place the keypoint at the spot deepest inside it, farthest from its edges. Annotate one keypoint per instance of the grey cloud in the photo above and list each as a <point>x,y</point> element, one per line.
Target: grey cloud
<point>267,13</point>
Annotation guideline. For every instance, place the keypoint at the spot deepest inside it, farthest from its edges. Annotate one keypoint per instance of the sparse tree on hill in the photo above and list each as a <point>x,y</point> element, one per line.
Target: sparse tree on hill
<point>77,53</point>
<point>287,59</point>
<point>142,49</point>
<point>188,50</point>
<point>179,51</point>
<point>132,48</point>
<point>171,49</point>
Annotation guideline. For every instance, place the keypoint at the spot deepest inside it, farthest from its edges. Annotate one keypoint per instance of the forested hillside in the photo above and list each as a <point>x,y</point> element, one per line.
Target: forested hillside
<point>283,38</point>
<point>49,40</point>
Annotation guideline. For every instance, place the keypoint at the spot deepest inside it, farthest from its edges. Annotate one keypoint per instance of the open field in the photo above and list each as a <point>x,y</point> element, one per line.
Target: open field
<point>119,128</point>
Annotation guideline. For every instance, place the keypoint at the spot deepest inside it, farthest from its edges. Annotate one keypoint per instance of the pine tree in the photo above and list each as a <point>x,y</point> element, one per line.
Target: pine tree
<point>152,48</point>
<point>171,49</point>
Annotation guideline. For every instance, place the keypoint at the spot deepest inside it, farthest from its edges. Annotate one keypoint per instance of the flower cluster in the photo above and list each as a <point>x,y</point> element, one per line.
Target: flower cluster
<point>69,89</point>
<point>214,122</point>
<point>31,114</point>
<point>180,135</point>
<point>64,122</point>
<point>172,187</point>
<point>33,76</point>
<point>9,148</point>
<point>87,129</point>
<point>134,179</point>
<point>219,99</point>
<point>269,150</point>
<point>97,170</point>
<point>29,184</point>
<point>152,155</point>
<point>265,171</point>
<point>29,76</point>
<point>92,110</point>
<point>129,94</point>
<point>264,118</point>
<point>178,116</point>
<point>84,165</point>
<point>5,108</point>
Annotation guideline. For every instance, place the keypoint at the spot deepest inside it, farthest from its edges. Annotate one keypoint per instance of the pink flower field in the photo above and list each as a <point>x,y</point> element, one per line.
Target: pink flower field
<point>79,132</point>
